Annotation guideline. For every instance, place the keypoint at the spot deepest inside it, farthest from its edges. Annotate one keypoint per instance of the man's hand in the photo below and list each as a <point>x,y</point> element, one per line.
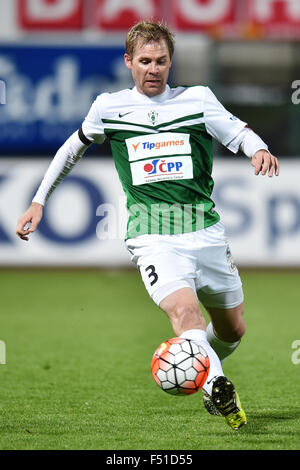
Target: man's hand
<point>264,162</point>
<point>32,216</point>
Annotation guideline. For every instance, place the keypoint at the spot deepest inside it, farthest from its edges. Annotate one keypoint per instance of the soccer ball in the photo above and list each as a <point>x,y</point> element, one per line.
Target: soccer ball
<point>180,366</point>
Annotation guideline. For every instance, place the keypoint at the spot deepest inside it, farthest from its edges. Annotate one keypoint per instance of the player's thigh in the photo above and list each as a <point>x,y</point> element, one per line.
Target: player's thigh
<point>217,270</point>
<point>162,268</point>
<point>220,286</point>
<point>228,323</point>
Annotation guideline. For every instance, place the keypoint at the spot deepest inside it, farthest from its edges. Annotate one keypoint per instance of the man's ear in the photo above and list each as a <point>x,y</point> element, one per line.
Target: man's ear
<point>127,60</point>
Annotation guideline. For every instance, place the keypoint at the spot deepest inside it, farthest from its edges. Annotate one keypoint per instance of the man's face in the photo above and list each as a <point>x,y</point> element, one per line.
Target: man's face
<point>150,67</point>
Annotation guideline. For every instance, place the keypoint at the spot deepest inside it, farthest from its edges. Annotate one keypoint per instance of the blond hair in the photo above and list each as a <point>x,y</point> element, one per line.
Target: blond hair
<point>148,31</point>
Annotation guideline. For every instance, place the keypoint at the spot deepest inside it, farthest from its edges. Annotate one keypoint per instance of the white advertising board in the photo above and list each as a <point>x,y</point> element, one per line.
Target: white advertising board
<point>85,218</point>
<point>71,232</point>
<point>261,214</point>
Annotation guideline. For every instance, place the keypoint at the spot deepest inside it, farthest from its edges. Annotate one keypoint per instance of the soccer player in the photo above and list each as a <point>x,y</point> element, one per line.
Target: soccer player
<point>161,141</point>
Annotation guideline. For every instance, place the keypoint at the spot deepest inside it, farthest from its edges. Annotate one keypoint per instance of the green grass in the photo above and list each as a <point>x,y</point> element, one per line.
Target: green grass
<point>79,346</point>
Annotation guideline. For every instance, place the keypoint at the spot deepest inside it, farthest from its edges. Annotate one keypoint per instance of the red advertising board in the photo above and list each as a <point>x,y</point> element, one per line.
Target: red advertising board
<point>120,15</point>
<point>203,15</point>
<point>275,18</point>
<point>249,19</point>
<point>50,14</point>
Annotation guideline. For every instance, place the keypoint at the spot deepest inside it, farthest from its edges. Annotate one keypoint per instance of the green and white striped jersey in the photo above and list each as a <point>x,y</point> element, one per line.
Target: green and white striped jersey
<point>162,149</point>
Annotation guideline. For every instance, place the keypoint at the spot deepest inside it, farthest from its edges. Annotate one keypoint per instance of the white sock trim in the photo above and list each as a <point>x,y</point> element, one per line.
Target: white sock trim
<point>222,348</point>
<point>195,334</point>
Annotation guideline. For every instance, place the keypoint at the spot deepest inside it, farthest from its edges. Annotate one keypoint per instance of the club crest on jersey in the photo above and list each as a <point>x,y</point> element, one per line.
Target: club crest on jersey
<point>152,116</point>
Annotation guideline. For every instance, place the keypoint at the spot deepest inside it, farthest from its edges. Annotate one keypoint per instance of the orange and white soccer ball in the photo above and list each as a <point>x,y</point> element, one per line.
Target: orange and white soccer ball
<point>180,366</point>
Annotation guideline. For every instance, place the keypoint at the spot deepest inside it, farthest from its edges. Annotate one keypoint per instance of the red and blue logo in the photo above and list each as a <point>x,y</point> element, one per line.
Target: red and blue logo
<point>160,166</point>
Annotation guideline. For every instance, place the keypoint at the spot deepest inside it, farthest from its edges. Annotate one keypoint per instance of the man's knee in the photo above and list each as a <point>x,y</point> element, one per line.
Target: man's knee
<point>239,325</point>
<point>238,331</point>
<point>186,313</point>
<point>239,328</point>
<point>231,334</point>
<point>229,325</point>
<point>183,311</point>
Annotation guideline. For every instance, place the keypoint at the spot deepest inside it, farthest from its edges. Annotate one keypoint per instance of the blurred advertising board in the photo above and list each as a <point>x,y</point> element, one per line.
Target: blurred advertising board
<point>121,15</point>
<point>84,222</point>
<point>49,90</point>
<point>249,19</point>
<point>191,15</point>
<point>73,14</point>
<point>57,14</point>
<point>275,19</point>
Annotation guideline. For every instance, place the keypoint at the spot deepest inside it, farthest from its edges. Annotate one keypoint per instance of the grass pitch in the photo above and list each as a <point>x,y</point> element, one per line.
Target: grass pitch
<point>79,346</point>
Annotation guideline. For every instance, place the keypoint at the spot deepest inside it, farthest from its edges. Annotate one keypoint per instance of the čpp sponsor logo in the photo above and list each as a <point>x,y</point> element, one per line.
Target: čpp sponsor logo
<point>162,166</point>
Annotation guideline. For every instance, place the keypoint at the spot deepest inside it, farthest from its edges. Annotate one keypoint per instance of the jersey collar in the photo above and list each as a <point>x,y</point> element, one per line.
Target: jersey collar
<point>154,99</point>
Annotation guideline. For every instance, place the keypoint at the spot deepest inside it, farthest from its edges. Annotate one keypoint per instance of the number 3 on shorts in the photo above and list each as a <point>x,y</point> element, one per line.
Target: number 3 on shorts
<point>152,274</point>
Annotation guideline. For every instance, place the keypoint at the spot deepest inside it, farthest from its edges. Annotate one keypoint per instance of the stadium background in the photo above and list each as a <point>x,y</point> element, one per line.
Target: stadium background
<point>55,57</point>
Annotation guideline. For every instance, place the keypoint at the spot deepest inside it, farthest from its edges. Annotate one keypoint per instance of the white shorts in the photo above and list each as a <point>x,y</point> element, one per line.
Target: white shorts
<point>201,260</point>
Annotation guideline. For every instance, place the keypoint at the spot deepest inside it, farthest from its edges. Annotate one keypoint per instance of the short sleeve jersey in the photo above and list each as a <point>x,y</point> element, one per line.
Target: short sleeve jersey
<point>162,149</point>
